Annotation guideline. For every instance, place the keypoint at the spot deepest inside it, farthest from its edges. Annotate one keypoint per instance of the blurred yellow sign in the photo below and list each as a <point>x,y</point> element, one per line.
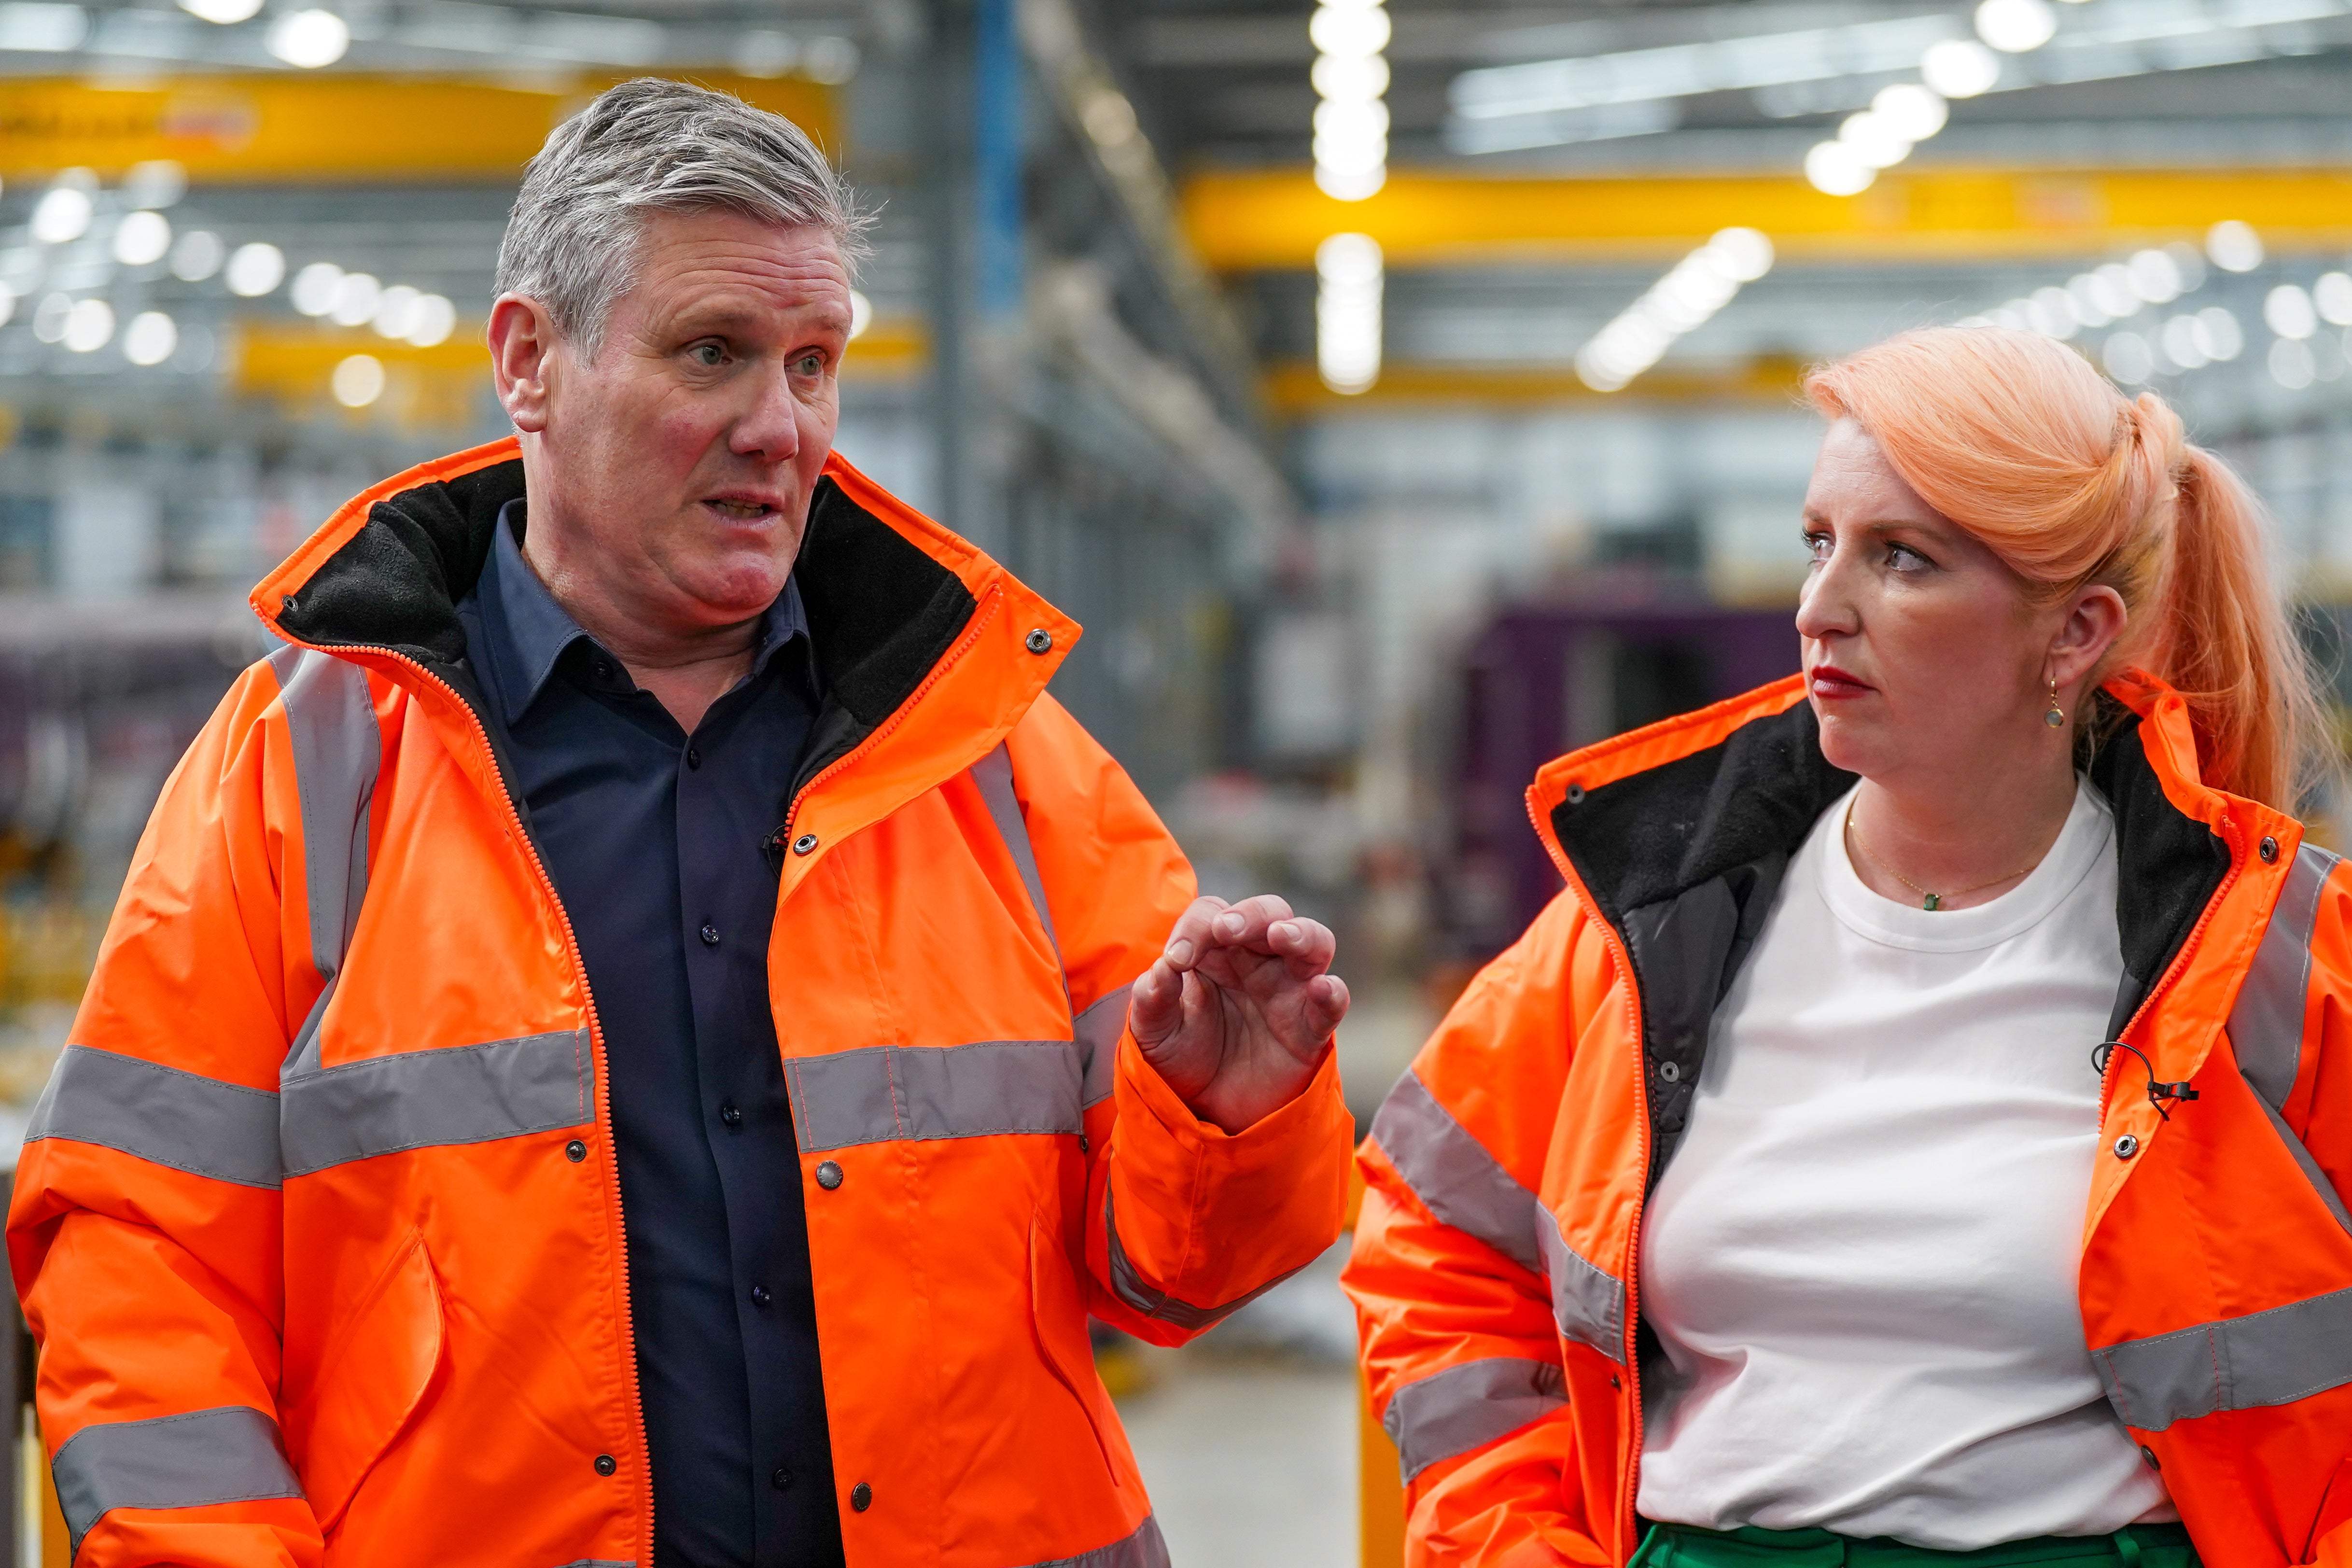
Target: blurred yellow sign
<point>266,128</point>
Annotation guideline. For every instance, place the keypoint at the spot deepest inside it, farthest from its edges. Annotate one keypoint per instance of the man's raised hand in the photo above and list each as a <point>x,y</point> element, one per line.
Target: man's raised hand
<point>1238,1012</point>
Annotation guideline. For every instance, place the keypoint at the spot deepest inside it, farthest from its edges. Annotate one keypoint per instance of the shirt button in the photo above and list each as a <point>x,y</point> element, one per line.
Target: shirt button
<point>731,1114</point>
<point>861,1496</point>
<point>828,1176</point>
<point>575,1151</point>
<point>760,1297</point>
<point>782,1480</point>
<point>693,757</point>
<point>606,1464</point>
<point>709,935</point>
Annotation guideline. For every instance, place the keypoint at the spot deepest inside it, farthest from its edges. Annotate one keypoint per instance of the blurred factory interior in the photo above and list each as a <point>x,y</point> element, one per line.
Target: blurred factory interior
<point>1399,394</point>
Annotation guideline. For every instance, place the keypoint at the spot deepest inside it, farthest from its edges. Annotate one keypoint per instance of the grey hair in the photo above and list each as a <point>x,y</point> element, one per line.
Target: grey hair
<point>647,146</point>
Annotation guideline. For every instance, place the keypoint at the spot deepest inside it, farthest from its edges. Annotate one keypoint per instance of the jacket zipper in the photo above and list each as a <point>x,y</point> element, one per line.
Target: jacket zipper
<point>603,1078</point>
<point>1628,1473</point>
<point>2171,973</point>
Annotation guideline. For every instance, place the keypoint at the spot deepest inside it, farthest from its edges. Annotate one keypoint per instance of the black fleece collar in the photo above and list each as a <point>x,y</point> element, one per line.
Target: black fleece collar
<point>881,612</point>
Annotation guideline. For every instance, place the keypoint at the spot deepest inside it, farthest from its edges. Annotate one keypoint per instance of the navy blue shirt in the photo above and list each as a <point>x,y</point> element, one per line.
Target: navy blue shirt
<point>653,837</point>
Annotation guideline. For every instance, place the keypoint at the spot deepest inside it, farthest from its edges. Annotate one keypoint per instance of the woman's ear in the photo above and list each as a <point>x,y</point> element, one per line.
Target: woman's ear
<point>2094,620</point>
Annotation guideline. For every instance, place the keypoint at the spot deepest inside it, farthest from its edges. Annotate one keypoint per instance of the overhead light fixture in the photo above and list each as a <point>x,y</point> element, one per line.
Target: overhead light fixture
<point>150,338</point>
<point>315,287</point>
<point>2016,26</point>
<point>1835,169</point>
<point>62,216</point>
<point>2332,295</point>
<point>357,381</point>
<point>436,318</point>
<point>197,256</point>
<point>1348,275</point>
<point>142,238</point>
<point>1701,284</point>
<point>861,314</point>
<point>225,12</point>
<point>355,300</point>
<point>2234,247</point>
<point>89,326</point>
<point>1350,76</point>
<point>309,39</point>
<point>1960,67</point>
<point>255,269</point>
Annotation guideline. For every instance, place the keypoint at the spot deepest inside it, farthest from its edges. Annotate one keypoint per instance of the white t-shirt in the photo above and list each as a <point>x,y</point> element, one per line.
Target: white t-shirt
<point>1861,1261</point>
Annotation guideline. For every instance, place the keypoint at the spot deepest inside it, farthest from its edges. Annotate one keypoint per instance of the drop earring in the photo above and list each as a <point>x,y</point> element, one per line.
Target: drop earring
<point>2057,715</point>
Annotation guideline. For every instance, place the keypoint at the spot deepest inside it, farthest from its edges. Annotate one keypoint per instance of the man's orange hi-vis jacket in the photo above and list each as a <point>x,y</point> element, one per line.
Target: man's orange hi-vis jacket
<point>319,1227</point>
<point>1495,1261</point>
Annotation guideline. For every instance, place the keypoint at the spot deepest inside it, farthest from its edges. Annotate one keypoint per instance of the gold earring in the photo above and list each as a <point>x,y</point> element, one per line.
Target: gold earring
<point>2057,715</point>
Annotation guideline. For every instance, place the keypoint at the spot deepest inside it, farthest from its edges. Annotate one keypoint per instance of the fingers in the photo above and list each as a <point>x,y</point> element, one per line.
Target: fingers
<point>1327,1001</point>
<point>1190,936</point>
<point>1155,1003</point>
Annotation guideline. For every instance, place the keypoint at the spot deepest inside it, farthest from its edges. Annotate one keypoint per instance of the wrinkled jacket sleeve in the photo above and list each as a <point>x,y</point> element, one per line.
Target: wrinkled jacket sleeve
<point>144,1231</point>
<point>1182,1222</point>
<point>1460,1352</point>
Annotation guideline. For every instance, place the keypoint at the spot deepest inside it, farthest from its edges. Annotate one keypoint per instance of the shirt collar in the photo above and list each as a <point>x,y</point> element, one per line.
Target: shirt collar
<point>531,633</point>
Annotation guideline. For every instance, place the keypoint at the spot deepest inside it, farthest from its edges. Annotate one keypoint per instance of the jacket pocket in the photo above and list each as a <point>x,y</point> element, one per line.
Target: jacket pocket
<point>374,1380</point>
<point>2335,1510</point>
<point>1060,1318</point>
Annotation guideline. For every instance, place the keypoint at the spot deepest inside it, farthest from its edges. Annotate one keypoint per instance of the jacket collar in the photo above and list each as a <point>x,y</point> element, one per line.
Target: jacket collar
<point>901,612</point>
<point>1643,819</point>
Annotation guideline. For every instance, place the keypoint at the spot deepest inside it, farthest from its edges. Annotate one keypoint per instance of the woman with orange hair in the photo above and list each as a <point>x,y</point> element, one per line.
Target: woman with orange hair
<point>1921,1130</point>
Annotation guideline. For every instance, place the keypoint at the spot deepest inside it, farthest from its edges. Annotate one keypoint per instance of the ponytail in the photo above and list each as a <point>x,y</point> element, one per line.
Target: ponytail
<point>2017,439</point>
<point>2222,639</point>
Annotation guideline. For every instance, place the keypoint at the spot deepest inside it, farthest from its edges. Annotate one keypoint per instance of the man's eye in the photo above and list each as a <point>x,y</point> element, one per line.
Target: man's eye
<point>810,364</point>
<point>707,354</point>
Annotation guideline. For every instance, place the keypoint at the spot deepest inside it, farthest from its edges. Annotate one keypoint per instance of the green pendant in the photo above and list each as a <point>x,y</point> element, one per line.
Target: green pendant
<point>1933,901</point>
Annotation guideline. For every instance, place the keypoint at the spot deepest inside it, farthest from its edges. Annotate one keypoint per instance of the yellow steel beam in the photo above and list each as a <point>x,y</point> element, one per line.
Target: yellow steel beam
<point>1275,218</point>
<point>1293,388</point>
<point>293,128</point>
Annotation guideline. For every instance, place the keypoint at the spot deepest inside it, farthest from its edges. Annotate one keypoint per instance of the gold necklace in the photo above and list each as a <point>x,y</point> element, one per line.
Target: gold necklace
<point>1927,900</point>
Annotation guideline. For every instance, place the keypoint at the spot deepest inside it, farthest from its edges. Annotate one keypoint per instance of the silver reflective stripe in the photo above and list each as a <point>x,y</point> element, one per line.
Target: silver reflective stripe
<point>196,1460</point>
<point>418,1099</point>
<point>1099,1030</point>
<point>1144,1549</point>
<point>2311,1171</point>
<point>1586,1303</point>
<point>1453,1176</point>
<point>160,1114</point>
<point>330,721</point>
<point>1469,1407</point>
<point>2237,1363</point>
<point>2267,1020</point>
<point>1148,1298</point>
<point>878,1093</point>
<point>993,775</point>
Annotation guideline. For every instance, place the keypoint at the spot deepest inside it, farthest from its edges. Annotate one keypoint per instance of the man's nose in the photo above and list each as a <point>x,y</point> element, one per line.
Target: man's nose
<point>768,429</point>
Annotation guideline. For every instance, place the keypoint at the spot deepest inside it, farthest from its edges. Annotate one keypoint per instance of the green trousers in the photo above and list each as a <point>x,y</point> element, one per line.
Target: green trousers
<point>1687,1546</point>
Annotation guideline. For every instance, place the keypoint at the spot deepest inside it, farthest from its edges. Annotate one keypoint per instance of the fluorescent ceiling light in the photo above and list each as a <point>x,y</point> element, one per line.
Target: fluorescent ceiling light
<point>43,29</point>
<point>1504,107</point>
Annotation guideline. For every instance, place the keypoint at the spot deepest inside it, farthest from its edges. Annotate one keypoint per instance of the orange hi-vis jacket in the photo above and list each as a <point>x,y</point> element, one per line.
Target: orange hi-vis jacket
<point>319,1224</point>
<point>1494,1270</point>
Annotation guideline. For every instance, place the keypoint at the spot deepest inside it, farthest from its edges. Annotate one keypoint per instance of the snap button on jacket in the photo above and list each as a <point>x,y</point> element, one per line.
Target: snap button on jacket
<point>318,1221</point>
<point>1494,1270</point>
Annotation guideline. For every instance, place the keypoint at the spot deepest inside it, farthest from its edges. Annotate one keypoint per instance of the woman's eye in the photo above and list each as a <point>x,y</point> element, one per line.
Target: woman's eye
<point>1817,545</point>
<point>1903,558</point>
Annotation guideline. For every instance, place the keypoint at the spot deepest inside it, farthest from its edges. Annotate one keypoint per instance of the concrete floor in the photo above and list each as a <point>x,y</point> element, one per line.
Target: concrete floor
<point>1249,1464</point>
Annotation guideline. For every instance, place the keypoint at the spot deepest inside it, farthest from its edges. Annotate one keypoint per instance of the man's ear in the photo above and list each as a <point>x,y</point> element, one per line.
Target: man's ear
<point>523,342</point>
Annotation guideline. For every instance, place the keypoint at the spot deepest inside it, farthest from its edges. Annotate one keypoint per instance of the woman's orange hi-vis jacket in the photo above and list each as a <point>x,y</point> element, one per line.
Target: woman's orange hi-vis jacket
<point>319,1227</point>
<point>1495,1261</point>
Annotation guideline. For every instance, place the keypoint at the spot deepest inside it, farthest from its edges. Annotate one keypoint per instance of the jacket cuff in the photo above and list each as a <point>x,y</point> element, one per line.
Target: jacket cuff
<point>1274,1134</point>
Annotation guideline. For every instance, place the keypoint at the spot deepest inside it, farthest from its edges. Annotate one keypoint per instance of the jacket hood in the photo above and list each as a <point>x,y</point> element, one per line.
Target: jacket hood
<point>889,595</point>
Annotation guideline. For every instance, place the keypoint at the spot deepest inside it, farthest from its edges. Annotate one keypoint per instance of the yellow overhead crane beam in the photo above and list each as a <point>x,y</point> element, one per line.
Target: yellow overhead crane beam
<point>1244,220</point>
<point>265,127</point>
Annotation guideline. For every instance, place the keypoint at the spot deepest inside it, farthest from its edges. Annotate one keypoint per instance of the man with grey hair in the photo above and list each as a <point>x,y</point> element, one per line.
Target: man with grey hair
<point>642,1033</point>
